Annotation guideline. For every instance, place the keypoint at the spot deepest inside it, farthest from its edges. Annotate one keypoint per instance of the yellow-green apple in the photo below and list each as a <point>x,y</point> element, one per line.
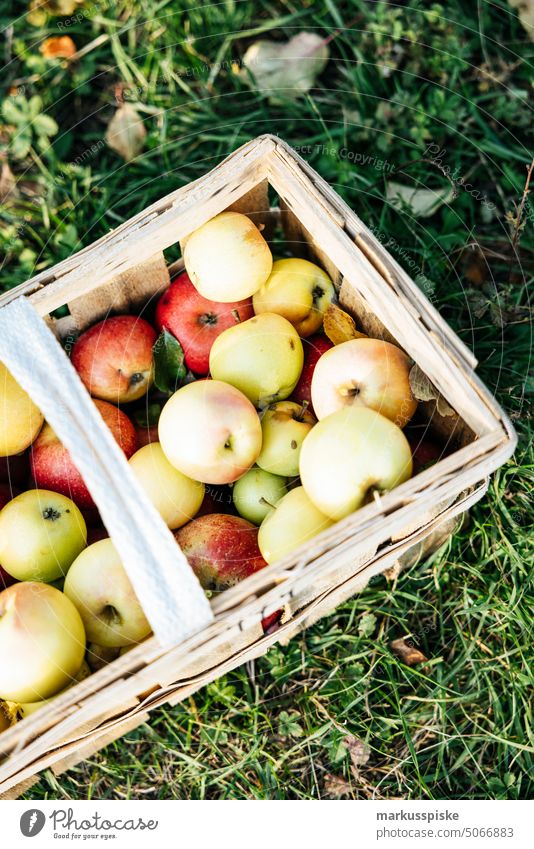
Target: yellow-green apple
<point>42,642</point>
<point>262,357</point>
<point>17,710</point>
<point>101,591</point>
<point>221,549</point>
<point>284,426</point>
<point>51,463</point>
<point>41,533</point>
<point>292,521</point>
<point>367,373</point>
<point>299,290</point>
<point>114,358</point>
<point>20,419</point>
<point>256,492</point>
<point>196,321</point>
<point>227,258</point>
<point>348,455</point>
<point>314,347</point>
<point>176,497</point>
<point>6,494</point>
<point>210,431</point>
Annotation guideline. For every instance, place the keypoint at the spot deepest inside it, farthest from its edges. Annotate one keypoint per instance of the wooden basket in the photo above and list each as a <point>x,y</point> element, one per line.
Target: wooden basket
<point>195,642</point>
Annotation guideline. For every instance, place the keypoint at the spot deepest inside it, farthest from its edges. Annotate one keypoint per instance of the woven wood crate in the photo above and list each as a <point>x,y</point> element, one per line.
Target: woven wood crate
<point>195,642</point>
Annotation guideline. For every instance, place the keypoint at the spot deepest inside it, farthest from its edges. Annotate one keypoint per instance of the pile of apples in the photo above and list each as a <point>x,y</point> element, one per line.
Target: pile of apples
<point>272,435</point>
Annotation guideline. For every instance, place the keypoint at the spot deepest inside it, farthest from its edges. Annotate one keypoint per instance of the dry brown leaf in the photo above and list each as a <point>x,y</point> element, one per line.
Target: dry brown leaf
<point>424,390</point>
<point>335,786</point>
<point>358,750</point>
<point>8,184</point>
<point>126,132</point>
<point>339,326</point>
<point>58,47</point>
<point>406,652</point>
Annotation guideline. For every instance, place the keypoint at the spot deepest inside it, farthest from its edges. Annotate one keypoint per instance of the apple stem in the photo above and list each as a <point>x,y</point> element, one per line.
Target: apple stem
<point>235,314</point>
<point>302,412</point>
<point>263,500</point>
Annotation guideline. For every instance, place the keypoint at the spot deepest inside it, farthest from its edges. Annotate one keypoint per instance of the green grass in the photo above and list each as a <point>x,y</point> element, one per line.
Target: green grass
<point>399,79</point>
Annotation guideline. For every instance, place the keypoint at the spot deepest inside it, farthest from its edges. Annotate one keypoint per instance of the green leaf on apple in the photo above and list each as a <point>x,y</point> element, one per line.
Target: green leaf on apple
<point>169,367</point>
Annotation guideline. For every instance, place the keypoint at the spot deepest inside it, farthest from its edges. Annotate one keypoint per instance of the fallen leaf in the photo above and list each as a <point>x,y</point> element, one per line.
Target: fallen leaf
<point>424,390</point>
<point>39,10</point>
<point>58,47</point>
<point>339,326</point>
<point>335,786</point>
<point>525,13</point>
<point>422,202</point>
<point>285,69</point>
<point>169,367</point>
<point>367,625</point>
<point>358,750</point>
<point>126,132</point>
<point>406,652</point>
<point>8,184</point>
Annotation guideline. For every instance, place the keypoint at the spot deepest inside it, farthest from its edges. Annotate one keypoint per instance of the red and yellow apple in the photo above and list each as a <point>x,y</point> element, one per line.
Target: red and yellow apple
<point>114,358</point>
<point>42,642</point>
<point>314,347</point>
<point>255,493</point>
<point>51,463</point>
<point>292,521</point>
<point>262,357</point>
<point>227,258</point>
<point>299,290</point>
<point>284,426</point>
<point>176,497</point>
<point>210,431</point>
<point>349,454</point>
<point>196,321</point>
<point>364,373</point>
<point>101,591</point>
<point>20,419</point>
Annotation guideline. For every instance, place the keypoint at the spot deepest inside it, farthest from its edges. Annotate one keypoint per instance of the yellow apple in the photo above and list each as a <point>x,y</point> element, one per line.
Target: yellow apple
<point>299,290</point>
<point>284,426</point>
<point>100,589</point>
<point>210,432</point>
<point>293,521</point>
<point>41,533</point>
<point>20,419</point>
<point>176,497</point>
<point>42,642</point>
<point>367,373</point>
<point>349,454</point>
<point>17,711</point>
<point>227,258</point>
<point>262,357</point>
<point>255,493</point>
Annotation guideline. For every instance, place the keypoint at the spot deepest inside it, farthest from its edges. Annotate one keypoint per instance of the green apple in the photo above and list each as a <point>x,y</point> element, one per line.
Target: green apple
<point>300,291</point>
<point>20,419</point>
<point>262,357</point>
<point>176,497</point>
<point>256,492</point>
<point>41,533</point>
<point>16,711</point>
<point>100,589</point>
<point>42,642</point>
<point>348,455</point>
<point>284,426</point>
<point>293,521</point>
<point>227,258</point>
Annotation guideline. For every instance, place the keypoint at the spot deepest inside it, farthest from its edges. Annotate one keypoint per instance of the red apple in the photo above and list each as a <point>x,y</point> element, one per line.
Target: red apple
<point>314,347</point>
<point>195,321</point>
<point>146,435</point>
<point>114,358</point>
<point>52,467</point>
<point>221,549</point>
<point>425,452</point>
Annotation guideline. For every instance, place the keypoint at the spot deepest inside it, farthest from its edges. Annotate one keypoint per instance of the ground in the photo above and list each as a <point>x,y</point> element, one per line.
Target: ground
<point>426,95</point>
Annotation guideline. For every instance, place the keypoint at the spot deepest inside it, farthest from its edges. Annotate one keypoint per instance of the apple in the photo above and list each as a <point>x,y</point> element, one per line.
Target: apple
<point>210,431</point>
<point>17,711</point>
<point>425,452</point>
<point>100,656</point>
<point>348,455</point>
<point>51,463</point>
<point>176,497</point>
<point>221,549</point>
<point>5,496</point>
<point>114,358</point>
<point>368,373</point>
<point>262,357</point>
<point>256,492</point>
<point>42,642</point>
<point>292,521</point>
<point>100,589</point>
<point>227,258</point>
<point>20,419</point>
<point>314,347</point>
<point>284,426</point>
<point>299,290</point>
<point>195,321</point>
<point>41,533</point>
<point>15,470</point>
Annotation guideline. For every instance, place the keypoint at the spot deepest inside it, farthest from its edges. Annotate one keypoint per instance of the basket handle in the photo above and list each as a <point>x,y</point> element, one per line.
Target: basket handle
<point>172,598</point>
